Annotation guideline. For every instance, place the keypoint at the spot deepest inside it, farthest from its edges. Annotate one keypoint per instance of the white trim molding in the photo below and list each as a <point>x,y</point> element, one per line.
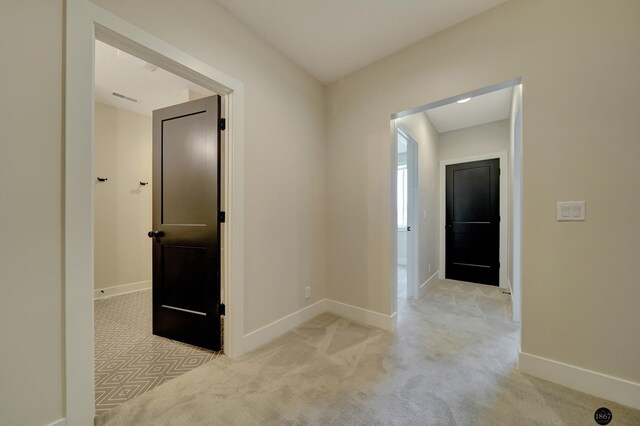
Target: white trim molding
<point>514,307</point>
<point>86,22</point>
<point>60,422</point>
<point>363,316</point>
<point>277,328</point>
<point>116,290</point>
<point>425,286</point>
<point>601,385</point>
<point>504,197</point>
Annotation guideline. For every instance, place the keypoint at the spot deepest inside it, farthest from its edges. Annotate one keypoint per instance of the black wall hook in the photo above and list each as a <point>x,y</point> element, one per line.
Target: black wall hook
<point>144,183</point>
<point>102,179</point>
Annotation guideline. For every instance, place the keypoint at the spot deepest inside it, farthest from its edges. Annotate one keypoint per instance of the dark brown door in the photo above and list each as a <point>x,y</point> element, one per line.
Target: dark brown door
<point>186,229</point>
<point>473,222</point>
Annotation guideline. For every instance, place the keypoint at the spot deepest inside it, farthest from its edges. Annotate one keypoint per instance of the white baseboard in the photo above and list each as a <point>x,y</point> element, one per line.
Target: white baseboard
<point>279,327</point>
<point>601,385</point>
<point>265,334</point>
<point>61,422</point>
<point>362,316</point>
<point>121,289</point>
<point>427,284</point>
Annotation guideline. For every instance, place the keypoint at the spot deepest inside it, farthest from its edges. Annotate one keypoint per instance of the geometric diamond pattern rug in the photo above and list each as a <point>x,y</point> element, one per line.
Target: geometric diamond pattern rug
<point>129,360</point>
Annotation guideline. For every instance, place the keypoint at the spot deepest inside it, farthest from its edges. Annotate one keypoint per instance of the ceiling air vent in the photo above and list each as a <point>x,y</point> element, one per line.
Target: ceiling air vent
<point>119,95</point>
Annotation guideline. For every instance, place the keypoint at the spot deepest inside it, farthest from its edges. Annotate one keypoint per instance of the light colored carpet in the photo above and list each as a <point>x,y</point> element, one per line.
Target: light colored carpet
<point>450,363</point>
<point>129,360</point>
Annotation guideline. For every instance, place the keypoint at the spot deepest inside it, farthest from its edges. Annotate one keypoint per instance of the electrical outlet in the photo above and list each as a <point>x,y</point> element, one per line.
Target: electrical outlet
<point>307,292</point>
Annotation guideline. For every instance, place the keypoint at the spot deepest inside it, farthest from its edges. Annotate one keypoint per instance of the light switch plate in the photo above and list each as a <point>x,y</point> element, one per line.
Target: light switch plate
<point>571,211</point>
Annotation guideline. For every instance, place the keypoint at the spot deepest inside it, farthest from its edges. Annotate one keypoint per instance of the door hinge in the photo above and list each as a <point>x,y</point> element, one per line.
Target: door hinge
<point>221,309</point>
<point>222,123</point>
<point>222,217</point>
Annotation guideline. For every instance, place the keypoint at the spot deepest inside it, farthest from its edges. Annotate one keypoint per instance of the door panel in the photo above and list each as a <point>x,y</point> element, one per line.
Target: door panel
<point>473,222</point>
<point>186,249</point>
<point>184,277</point>
<point>184,159</point>
<point>471,201</point>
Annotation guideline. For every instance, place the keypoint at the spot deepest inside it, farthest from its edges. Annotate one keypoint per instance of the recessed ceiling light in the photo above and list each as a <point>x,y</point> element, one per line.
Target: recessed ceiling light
<point>461,101</point>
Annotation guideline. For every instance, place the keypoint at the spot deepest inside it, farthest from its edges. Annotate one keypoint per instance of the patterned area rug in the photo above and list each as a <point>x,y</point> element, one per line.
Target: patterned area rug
<point>129,360</point>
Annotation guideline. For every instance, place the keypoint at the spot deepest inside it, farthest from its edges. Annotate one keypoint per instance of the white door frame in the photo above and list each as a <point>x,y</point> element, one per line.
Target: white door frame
<point>516,191</point>
<point>413,206</point>
<point>504,194</point>
<point>86,22</point>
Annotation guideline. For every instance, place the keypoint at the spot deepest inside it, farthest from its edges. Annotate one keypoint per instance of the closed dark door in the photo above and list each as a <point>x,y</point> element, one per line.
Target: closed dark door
<point>186,229</point>
<point>473,222</point>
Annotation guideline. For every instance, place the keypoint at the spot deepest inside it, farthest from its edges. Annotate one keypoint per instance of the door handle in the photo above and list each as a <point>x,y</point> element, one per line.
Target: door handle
<point>155,234</point>
<point>408,228</point>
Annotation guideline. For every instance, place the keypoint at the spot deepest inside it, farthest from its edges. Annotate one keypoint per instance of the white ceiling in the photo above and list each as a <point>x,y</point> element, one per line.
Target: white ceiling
<point>333,38</point>
<point>154,88</point>
<point>487,108</point>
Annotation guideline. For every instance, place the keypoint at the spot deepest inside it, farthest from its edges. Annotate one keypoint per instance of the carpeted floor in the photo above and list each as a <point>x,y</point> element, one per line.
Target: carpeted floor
<point>129,360</point>
<point>451,362</point>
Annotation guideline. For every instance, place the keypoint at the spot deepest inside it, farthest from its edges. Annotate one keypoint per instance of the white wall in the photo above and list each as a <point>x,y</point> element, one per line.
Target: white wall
<point>31,212</point>
<point>123,154</point>
<point>477,140</point>
<point>579,65</point>
<point>422,131</point>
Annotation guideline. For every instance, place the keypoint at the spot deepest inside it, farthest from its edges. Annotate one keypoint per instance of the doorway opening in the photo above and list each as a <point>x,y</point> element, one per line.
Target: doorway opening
<point>86,23</point>
<point>469,186</point>
<point>151,309</point>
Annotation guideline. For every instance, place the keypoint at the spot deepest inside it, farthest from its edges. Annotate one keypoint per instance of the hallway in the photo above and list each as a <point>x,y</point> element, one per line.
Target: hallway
<point>451,362</point>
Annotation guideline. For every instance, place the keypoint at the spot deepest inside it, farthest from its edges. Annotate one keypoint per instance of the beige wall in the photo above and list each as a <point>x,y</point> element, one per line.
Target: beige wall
<point>31,213</point>
<point>285,151</point>
<point>477,140</point>
<point>422,131</point>
<point>285,163</point>
<point>122,250</point>
<point>579,64</point>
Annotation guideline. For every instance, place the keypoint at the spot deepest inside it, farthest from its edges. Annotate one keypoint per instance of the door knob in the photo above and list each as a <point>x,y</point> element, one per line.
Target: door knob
<point>408,228</point>
<point>155,234</point>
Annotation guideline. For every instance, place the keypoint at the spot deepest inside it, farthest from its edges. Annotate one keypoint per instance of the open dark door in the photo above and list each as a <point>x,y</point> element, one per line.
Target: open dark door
<point>186,228</point>
<point>473,222</point>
